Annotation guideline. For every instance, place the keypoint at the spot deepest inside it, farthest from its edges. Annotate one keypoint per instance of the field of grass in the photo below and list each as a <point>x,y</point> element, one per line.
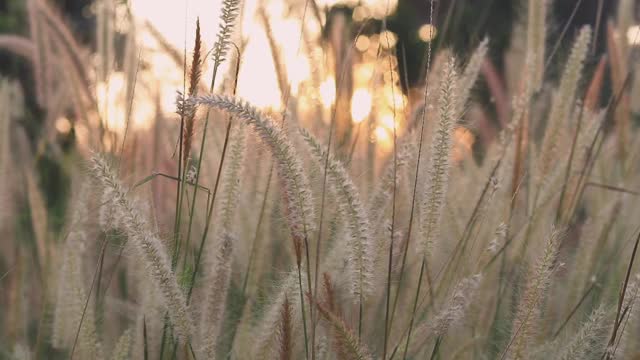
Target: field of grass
<point>490,212</point>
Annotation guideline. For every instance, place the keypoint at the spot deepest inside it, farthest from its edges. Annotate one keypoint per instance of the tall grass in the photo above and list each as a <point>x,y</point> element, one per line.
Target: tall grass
<point>294,232</point>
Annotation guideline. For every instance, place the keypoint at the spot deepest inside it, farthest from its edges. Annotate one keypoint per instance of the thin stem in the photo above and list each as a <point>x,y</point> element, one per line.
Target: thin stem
<point>415,305</point>
<point>304,316</point>
<point>393,216</point>
<point>623,291</point>
<point>200,158</point>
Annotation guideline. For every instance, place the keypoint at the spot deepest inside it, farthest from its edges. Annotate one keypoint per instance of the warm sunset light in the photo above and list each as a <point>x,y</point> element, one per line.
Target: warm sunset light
<point>382,136</point>
<point>328,92</point>
<point>113,105</point>
<point>319,180</point>
<point>361,102</point>
<point>388,122</point>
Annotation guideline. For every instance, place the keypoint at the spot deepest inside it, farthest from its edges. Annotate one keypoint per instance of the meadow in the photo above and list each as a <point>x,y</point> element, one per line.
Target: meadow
<point>335,210</point>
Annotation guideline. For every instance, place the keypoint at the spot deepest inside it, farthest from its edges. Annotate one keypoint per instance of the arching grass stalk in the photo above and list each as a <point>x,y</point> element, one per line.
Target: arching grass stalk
<point>296,194</point>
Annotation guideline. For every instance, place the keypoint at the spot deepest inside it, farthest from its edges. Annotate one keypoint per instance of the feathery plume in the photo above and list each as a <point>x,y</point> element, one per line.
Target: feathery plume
<point>359,242</point>
<point>590,339</point>
<point>189,113</point>
<point>285,331</point>
<point>563,103</point>
<point>525,324</point>
<point>346,343</point>
<point>231,176</point>
<point>296,190</point>
<point>148,245</point>
<point>230,11</point>
<point>438,176</point>
<point>264,334</point>
<point>455,310</point>
<point>458,305</point>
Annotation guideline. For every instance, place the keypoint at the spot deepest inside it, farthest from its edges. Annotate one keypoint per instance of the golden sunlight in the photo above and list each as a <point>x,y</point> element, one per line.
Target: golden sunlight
<point>113,105</point>
<point>328,92</point>
<point>361,102</point>
<point>382,137</point>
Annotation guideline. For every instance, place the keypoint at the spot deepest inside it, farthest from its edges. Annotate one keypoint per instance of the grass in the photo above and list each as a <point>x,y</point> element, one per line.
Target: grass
<point>297,232</point>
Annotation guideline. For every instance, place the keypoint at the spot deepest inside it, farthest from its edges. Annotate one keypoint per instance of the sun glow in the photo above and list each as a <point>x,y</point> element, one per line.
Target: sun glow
<point>309,68</point>
<point>113,106</point>
<point>361,102</point>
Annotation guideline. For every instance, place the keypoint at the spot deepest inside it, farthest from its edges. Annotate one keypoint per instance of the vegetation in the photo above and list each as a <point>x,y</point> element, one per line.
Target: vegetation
<point>312,230</point>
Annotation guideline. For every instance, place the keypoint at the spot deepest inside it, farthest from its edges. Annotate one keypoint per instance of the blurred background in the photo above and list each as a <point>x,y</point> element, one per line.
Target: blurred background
<point>136,50</point>
<point>80,75</point>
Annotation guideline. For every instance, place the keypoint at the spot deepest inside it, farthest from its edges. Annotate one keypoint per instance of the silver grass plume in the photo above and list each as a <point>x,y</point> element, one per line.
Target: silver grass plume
<point>438,172</point>
<point>231,176</point>
<point>265,335</point>
<point>148,246</point>
<point>454,311</point>
<point>296,190</point>
<point>457,307</point>
<point>525,323</point>
<point>590,340</point>
<point>122,350</point>
<point>562,104</point>
<point>230,11</point>
<point>360,259</point>
<point>536,39</point>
